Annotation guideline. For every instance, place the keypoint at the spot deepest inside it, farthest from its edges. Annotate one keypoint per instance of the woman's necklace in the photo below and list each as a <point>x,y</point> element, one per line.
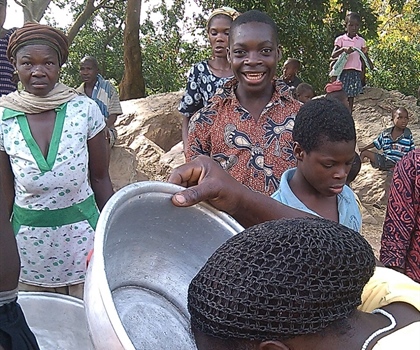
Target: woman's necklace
<point>381,330</point>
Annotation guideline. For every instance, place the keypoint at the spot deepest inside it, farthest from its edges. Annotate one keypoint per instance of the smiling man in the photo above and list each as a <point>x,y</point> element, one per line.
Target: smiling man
<point>247,127</point>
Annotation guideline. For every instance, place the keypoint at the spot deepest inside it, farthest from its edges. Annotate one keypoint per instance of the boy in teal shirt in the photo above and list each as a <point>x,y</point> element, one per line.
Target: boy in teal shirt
<point>324,141</point>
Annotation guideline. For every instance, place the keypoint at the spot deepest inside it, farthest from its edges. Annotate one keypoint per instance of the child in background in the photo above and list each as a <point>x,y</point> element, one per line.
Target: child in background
<point>324,138</point>
<point>354,46</point>
<point>395,142</point>
<point>304,92</point>
<point>247,127</point>
<point>290,70</point>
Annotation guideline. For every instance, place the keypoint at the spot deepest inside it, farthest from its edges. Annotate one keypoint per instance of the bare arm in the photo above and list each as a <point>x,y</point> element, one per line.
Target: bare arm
<point>9,256</point>
<point>369,146</point>
<point>98,169</point>
<point>207,181</point>
<point>184,130</point>
<point>339,50</point>
<point>111,120</point>
<point>8,184</point>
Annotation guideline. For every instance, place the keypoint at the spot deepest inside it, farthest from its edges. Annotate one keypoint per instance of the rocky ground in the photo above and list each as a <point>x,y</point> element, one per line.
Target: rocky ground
<point>150,131</point>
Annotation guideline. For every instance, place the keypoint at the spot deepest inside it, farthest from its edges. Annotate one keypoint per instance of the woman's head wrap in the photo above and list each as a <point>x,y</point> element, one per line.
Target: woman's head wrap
<point>39,34</point>
<point>225,10</point>
<point>281,279</point>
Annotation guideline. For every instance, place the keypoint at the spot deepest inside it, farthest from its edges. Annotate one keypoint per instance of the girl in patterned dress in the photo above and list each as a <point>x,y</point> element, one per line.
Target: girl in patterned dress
<point>205,77</point>
<point>52,167</point>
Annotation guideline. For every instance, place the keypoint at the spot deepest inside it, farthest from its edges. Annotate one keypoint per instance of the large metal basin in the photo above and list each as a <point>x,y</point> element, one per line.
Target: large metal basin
<point>58,321</point>
<point>146,253</point>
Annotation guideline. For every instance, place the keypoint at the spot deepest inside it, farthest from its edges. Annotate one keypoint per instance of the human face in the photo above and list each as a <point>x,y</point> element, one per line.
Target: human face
<point>88,72</point>
<point>305,96</point>
<point>352,27</point>
<point>254,55</point>
<point>325,169</point>
<point>38,68</point>
<point>219,35</point>
<point>400,119</point>
<point>289,71</point>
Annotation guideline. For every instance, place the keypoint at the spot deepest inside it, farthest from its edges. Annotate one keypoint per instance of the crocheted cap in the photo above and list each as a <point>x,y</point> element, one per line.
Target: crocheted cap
<point>281,279</point>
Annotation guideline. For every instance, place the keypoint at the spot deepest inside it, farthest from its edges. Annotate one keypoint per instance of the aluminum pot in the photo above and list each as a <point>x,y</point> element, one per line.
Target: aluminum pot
<point>146,252</point>
<point>58,321</point>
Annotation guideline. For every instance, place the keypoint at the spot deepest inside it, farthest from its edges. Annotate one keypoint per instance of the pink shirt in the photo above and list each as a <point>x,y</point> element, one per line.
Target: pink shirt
<point>353,61</point>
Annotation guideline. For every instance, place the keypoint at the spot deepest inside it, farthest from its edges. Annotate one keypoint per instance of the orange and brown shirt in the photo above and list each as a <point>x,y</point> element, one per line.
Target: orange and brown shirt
<point>256,153</point>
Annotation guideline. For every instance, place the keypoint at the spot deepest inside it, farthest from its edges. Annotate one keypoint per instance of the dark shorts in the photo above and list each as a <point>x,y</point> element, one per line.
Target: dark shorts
<point>352,82</point>
<point>14,331</point>
<point>382,163</point>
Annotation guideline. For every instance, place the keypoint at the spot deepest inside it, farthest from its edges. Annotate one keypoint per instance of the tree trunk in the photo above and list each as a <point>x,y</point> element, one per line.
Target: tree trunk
<point>132,83</point>
<point>33,11</point>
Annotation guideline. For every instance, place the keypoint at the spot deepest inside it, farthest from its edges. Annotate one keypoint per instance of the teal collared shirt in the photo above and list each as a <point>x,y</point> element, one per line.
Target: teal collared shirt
<point>348,210</point>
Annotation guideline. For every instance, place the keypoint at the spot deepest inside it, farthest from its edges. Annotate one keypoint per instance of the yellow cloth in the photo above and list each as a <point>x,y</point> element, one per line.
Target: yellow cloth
<point>26,102</point>
<point>405,338</point>
<point>388,286</point>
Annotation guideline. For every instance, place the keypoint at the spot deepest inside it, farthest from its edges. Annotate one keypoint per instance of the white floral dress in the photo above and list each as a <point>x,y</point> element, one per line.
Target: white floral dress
<point>54,213</point>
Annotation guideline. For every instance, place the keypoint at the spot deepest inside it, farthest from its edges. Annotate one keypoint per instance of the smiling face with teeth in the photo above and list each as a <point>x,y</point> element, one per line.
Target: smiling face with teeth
<point>254,53</point>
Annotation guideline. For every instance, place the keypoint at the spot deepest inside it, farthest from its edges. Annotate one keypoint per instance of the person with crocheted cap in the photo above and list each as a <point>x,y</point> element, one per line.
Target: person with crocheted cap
<point>294,284</point>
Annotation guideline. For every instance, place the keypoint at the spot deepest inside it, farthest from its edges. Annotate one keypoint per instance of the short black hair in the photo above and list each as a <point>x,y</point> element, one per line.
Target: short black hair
<point>90,59</point>
<point>255,16</point>
<point>321,120</point>
<point>401,109</point>
<point>294,62</point>
<point>304,87</point>
<point>353,15</point>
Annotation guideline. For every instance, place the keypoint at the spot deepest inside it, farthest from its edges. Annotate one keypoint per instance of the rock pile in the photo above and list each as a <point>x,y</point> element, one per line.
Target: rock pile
<point>149,145</point>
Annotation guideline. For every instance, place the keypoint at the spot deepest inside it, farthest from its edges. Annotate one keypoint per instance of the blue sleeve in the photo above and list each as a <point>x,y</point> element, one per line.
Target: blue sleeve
<point>412,145</point>
<point>378,142</point>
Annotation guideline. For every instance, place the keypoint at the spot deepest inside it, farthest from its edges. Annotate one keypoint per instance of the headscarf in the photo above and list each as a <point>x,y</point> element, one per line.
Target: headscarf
<point>39,34</point>
<point>26,102</point>
<point>225,10</point>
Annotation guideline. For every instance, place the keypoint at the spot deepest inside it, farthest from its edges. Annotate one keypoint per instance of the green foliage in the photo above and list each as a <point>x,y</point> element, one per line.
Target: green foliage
<point>397,63</point>
<point>307,29</point>
<point>101,37</point>
<point>396,51</point>
<point>166,55</point>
